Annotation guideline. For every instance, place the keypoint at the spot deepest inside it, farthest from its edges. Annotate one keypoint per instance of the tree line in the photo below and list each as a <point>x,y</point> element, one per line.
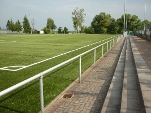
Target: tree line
<point>14,26</point>
<point>17,26</point>
<point>104,23</point>
<point>101,24</point>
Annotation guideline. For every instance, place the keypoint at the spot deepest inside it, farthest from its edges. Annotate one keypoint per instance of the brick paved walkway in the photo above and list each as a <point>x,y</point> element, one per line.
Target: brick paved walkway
<point>89,95</point>
<point>142,56</point>
<point>144,47</point>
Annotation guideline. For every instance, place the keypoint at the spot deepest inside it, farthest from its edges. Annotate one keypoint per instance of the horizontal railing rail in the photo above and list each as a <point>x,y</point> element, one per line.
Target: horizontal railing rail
<point>40,75</point>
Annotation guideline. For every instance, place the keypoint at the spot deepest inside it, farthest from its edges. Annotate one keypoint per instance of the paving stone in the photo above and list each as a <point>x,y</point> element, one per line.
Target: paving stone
<point>90,94</point>
<point>111,110</point>
<point>133,104</point>
<point>134,111</point>
<point>142,55</point>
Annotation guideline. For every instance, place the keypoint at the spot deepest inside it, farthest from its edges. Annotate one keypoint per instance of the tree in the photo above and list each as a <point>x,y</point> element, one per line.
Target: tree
<point>35,31</point>
<point>60,30</point>
<point>65,31</point>
<point>113,27</point>
<point>147,23</point>
<point>50,24</point>
<point>18,26</point>
<point>89,30</point>
<point>82,29</point>
<point>132,23</point>
<point>78,18</point>
<point>0,28</point>
<point>150,26</point>
<point>8,25</point>
<point>26,25</point>
<point>101,22</point>
<point>46,30</point>
<point>12,25</point>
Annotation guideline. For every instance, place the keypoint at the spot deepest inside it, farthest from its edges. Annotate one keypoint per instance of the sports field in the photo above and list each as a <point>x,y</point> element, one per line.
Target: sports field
<point>23,56</point>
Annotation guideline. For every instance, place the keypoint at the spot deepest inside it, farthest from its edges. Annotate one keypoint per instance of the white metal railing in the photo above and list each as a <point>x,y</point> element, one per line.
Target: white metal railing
<point>40,75</point>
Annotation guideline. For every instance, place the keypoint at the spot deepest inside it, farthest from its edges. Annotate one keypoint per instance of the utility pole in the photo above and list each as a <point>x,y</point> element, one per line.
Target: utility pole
<point>29,23</point>
<point>32,23</point>
<point>145,17</point>
<point>124,17</point>
<point>145,20</point>
<point>126,20</point>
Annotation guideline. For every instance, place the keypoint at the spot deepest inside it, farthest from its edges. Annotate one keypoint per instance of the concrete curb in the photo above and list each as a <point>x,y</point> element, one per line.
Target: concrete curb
<point>144,75</point>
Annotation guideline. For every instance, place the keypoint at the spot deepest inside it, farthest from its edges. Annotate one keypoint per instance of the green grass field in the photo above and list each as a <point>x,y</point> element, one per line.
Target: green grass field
<point>23,50</point>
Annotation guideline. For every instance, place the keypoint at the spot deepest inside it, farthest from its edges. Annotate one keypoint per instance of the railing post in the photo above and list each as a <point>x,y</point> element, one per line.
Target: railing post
<point>41,94</point>
<point>94,55</point>
<point>107,46</point>
<point>110,44</point>
<point>102,49</point>
<point>118,38</point>
<point>80,69</point>
<point>113,41</point>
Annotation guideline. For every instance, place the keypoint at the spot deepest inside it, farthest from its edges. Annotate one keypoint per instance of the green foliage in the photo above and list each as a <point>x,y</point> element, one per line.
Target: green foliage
<point>149,26</point>
<point>8,25</point>
<point>146,22</point>
<point>103,30</point>
<point>101,22</point>
<point>50,24</point>
<point>26,25</point>
<point>13,27</point>
<point>133,22</point>
<point>46,30</point>
<point>83,29</point>
<point>18,26</point>
<point>89,30</point>
<point>78,18</point>
<point>113,27</point>
<point>35,31</point>
<point>65,31</point>
<point>60,30</point>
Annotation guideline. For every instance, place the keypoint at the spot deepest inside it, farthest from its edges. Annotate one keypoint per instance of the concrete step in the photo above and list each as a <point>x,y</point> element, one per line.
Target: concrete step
<point>131,96</point>
<point>124,94</point>
<point>144,75</point>
<point>112,102</point>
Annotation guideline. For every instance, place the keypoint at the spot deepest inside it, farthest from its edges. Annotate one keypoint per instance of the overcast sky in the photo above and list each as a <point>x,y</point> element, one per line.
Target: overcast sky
<point>61,10</point>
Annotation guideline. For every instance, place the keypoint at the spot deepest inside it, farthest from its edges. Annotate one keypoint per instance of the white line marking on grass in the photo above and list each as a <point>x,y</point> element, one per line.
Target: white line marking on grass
<point>4,41</point>
<point>17,68</point>
<point>12,68</point>
<point>14,41</point>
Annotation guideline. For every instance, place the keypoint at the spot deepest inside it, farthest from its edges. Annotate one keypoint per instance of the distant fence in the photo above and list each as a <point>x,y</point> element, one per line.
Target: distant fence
<point>108,44</point>
<point>146,34</point>
<point>10,32</point>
